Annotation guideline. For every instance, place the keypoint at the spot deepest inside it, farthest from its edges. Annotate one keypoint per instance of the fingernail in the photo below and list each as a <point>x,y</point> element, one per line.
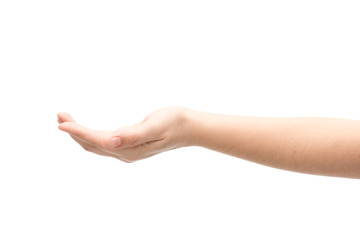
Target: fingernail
<point>115,142</point>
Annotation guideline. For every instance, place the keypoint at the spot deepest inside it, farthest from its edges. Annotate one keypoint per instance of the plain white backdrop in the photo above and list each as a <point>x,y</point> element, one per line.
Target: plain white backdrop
<point>110,63</point>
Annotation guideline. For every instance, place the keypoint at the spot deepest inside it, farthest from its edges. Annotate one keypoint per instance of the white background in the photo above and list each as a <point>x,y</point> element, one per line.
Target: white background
<point>110,63</point>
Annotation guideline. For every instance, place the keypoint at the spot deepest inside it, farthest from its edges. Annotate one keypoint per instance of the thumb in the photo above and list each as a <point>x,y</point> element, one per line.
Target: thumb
<point>126,137</point>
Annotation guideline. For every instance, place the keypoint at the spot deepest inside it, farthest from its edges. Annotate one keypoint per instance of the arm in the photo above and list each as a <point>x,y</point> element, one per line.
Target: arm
<point>312,145</point>
<point>321,146</point>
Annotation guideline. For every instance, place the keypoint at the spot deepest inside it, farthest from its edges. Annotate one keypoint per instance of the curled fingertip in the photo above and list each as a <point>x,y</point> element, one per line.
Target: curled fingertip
<point>61,126</point>
<point>61,114</point>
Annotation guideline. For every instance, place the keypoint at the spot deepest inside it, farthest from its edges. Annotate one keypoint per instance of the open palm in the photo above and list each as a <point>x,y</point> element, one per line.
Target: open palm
<point>160,131</point>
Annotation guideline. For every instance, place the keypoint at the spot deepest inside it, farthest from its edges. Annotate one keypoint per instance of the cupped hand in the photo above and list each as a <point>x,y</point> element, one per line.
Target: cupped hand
<point>160,131</point>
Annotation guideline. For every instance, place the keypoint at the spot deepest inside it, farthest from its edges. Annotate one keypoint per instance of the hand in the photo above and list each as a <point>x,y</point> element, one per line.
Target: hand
<point>160,131</point>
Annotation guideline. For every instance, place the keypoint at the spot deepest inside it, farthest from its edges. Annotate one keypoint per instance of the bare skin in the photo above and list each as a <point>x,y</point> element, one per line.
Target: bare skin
<point>322,146</point>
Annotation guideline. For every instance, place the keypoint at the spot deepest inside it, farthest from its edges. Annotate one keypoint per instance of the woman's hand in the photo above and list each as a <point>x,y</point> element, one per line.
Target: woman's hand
<point>162,130</point>
<point>322,146</point>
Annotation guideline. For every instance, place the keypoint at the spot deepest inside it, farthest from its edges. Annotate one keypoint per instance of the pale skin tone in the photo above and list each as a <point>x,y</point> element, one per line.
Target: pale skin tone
<point>322,146</point>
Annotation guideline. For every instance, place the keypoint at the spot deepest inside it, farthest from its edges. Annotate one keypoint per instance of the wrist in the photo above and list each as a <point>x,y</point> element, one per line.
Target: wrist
<point>192,127</point>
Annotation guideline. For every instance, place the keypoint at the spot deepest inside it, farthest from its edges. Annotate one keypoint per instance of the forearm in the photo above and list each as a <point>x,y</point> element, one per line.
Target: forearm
<point>310,145</point>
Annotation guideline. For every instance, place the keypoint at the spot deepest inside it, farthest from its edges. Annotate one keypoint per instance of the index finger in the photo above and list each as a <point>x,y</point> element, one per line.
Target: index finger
<point>90,136</point>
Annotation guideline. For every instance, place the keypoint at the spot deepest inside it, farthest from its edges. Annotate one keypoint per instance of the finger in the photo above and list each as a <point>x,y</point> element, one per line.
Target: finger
<point>122,138</point>
<point>93,137</point>
<point>94,149</point>
<point>86,134</point>
<point>88,147</point>
<point>65,117</point>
